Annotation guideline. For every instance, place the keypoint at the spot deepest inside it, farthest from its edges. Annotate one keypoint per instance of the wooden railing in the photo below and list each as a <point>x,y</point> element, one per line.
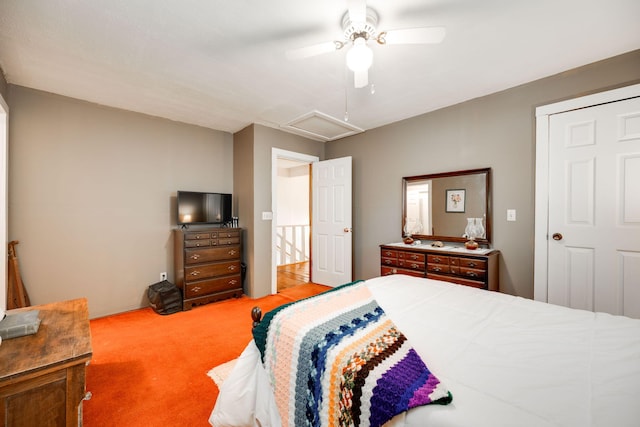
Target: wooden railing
<point>292,244</point>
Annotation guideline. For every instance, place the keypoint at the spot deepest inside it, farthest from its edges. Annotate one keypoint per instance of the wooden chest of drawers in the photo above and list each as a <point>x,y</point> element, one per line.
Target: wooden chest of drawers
<point>208,265</point>
<point>42,376</point>
<point>471,269</point>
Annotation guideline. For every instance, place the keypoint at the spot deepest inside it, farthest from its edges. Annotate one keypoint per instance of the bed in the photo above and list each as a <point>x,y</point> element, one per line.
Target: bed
<point>505,360</point>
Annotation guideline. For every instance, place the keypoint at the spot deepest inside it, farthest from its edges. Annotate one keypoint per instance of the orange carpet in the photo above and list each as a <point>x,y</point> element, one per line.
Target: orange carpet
<point>151,370</point>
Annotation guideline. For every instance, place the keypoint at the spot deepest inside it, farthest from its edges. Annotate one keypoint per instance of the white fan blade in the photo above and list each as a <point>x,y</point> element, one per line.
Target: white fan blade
<point>313,50</point>
<point>360,78</point>
<point>357,11</point>
<point>422,35</point>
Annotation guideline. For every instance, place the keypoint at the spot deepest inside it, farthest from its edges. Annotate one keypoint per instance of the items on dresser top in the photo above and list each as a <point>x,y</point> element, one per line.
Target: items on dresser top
<point>19,323</point>
<point>208,264</point>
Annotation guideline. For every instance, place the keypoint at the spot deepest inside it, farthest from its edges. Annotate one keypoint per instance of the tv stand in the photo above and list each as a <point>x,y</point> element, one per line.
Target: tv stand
<point>207,264</point>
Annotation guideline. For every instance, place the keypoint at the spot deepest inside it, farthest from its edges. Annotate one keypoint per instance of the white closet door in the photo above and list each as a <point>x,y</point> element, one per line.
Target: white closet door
<point>594,208</point>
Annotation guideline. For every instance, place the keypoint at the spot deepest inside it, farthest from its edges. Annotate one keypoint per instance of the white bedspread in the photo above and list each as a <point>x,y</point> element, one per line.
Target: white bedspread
<point>506,360</point>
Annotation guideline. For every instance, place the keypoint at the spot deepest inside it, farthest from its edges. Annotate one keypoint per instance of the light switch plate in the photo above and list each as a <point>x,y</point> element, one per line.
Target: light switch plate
<point>267,215</point>
<point>511,214</point>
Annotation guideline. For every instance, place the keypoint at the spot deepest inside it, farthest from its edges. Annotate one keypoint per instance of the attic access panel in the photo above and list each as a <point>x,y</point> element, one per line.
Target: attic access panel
<point>321,127</point>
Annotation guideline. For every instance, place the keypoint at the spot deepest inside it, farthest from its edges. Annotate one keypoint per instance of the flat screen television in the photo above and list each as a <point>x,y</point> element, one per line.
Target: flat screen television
<point>203,208</point>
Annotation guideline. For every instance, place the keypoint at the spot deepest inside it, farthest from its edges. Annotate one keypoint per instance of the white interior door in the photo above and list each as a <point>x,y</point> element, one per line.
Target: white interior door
<point>331,226</point>
<point>594,208</point>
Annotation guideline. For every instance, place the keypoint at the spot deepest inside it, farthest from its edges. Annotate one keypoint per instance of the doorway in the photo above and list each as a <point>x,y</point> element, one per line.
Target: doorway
<point>291,225</point>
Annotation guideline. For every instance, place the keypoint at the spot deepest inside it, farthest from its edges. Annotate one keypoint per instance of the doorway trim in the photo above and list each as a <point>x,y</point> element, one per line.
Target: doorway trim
<point>277,153</point>
<point>541,226</point>
<point>4,179</point>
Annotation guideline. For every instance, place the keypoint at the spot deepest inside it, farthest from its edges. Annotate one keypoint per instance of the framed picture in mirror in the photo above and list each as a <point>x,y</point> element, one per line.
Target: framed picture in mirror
<point>455,200</point>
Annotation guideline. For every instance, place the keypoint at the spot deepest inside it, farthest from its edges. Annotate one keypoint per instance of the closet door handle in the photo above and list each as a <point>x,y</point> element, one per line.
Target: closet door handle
<point>557,236</point>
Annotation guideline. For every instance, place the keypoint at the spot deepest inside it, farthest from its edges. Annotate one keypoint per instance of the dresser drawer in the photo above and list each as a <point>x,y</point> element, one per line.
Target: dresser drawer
<point>210,270</point>
<point>472,273</point>
<point>438,268</point>
<point>228,234</point>
<point>386,271</point>
<point>227,241</point>
<point>389,253</point>
<point>389,262</point>
<point>197,243</point>
<point>458,280</point>
<point>438,259</point>
<point>411,256</point>
<point>478,264</point>
<point>197,256</point>
<point>413,265</point>
<point>205,287</point>
<point>197,236</point>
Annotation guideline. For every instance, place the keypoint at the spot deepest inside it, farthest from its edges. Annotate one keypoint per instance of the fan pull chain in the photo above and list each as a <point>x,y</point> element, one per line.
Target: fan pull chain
<point>346,107</point>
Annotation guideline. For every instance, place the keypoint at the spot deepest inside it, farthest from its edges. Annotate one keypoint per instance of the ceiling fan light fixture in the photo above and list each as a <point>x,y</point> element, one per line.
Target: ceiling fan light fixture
<point>360,56</point>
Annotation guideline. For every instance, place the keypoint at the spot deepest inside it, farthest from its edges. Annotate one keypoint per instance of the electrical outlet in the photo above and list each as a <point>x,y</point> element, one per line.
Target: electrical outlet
<point>163,276</point>
<point>511,214</point>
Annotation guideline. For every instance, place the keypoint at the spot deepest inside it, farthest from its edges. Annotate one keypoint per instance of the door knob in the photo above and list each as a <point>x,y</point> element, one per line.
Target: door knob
<point>557,236</point>
<point>347,230</point>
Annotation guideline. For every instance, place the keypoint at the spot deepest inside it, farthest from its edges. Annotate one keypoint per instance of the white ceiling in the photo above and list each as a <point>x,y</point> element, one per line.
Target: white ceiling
<point>221,63</point>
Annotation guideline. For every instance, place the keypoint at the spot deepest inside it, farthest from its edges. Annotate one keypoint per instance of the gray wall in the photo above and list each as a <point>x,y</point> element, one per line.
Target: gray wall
<point>253,146</point>
<point>496,131</point>
<point>3,85</point>
<point>92,195</point>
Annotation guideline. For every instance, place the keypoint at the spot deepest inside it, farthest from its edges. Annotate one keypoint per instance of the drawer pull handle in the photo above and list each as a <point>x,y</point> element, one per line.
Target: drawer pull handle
<point>231,267</point>
<point>233,282</point>
<point>436,259</point>
<point>388,253</point>
<point>195,273</point>
<point>472,274</point>
<point>436,269</point>
<point>387,261</point>
<point>472,264</point>
<point>195,256</point>
<point>197,236</point>
<point>196,289</point>
<point>414,265</point>
<point>414,257</point>
<point>232,252</point>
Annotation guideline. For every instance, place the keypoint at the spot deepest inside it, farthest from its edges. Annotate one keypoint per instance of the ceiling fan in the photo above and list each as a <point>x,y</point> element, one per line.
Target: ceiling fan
<point>359,27</point>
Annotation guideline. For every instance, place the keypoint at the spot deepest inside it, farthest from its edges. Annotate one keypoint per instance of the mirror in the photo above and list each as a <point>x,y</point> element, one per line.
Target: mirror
<point>438,206</point>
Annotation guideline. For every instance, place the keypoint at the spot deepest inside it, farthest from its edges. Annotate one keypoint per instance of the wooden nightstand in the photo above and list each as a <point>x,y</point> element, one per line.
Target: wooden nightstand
<point>42,376</point>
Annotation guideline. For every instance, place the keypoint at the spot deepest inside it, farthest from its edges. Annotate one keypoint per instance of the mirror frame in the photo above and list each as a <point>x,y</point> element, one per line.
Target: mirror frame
<point>487,207</point>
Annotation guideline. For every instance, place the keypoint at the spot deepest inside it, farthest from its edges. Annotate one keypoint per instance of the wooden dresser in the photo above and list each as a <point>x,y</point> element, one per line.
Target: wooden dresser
<point>208,264</point>
<point>472,268</point>
<point>42,376</point>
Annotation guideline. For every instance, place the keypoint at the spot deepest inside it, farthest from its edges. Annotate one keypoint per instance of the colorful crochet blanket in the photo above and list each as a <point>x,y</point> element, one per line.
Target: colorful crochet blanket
<point>336,359</point>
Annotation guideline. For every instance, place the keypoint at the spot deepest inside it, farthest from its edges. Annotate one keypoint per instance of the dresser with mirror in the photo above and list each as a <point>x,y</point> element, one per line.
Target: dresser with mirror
<point>446,230</point>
